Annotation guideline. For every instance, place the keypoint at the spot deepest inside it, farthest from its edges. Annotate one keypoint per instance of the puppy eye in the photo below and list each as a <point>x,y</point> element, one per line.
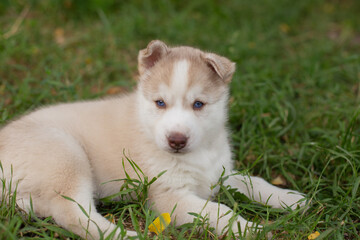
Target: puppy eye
<point>160,104</point>
<point>198,105</point>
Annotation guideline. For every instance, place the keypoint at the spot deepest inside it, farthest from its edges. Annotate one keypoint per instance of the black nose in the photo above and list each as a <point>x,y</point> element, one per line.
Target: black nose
<point>177,140</point>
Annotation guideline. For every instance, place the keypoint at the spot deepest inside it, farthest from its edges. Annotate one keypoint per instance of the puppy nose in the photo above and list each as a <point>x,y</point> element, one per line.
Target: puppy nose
<point>177,140</point>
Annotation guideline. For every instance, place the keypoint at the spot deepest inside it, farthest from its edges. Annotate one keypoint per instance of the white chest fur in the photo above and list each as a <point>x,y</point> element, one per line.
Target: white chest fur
<point>195,172</point>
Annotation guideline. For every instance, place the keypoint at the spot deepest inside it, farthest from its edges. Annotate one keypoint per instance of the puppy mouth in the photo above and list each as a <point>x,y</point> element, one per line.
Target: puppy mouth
<point>178,151</point>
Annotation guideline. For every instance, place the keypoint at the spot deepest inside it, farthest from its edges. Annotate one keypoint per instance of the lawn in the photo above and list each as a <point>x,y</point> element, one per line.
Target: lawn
<point>294,110</point>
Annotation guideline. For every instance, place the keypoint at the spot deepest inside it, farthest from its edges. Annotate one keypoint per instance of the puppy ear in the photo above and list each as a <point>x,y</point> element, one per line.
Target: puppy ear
<point>147,58</point>
<point>222,66</point>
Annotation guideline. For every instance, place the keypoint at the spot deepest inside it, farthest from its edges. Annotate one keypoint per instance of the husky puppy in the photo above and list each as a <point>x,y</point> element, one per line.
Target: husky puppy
<point>174,122</point>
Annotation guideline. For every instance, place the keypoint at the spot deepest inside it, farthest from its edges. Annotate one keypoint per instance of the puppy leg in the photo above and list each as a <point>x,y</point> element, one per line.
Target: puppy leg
<point>55,172</point>
<point>85,220</point>
<point>261,191</point>
<point>219,215</point>
<point>79,216</point>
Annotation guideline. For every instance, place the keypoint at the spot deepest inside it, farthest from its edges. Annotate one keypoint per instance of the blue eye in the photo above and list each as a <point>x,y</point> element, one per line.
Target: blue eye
<point>198,105</point>
<point>160,104</point>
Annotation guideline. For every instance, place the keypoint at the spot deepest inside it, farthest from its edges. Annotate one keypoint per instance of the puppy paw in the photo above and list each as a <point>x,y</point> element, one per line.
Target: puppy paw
<point>247,229</point>
<point>291,199</point>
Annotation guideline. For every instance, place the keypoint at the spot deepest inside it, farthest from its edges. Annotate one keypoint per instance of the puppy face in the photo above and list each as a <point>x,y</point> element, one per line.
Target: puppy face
<point>182,97</point>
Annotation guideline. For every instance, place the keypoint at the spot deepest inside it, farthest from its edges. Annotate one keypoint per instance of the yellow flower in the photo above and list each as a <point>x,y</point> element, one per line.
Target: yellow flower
<point>160,223</point>
<point>314,235</point>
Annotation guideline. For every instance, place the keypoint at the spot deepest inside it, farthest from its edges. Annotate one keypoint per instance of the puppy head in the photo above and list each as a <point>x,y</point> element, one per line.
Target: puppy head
<point>182,95</point>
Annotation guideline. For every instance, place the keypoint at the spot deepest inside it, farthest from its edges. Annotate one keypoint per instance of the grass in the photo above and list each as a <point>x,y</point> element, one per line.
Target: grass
<point>294,110</point>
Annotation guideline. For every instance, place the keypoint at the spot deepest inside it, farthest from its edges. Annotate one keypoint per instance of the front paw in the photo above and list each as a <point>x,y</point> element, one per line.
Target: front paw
<point>245,228</point>
<point>290,199</point>
<point>249,230</point>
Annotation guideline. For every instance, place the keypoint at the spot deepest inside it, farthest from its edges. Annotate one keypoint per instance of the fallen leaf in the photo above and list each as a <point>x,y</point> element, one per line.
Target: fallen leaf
<point>284,28</point>
<point>59,36</point>
<point>314,235</point>
<point>160,223</point>
<point>279,180</point>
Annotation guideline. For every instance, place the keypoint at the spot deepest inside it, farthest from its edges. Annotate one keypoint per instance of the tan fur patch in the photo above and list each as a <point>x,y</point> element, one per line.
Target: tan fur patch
<point>200,73</point>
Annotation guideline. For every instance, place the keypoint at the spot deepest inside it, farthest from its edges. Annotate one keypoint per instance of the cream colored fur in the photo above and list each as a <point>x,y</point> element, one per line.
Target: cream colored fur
<point>73,149</point>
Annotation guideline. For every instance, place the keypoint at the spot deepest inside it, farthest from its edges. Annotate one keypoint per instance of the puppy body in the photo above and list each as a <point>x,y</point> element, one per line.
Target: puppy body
<point>174,122</point>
